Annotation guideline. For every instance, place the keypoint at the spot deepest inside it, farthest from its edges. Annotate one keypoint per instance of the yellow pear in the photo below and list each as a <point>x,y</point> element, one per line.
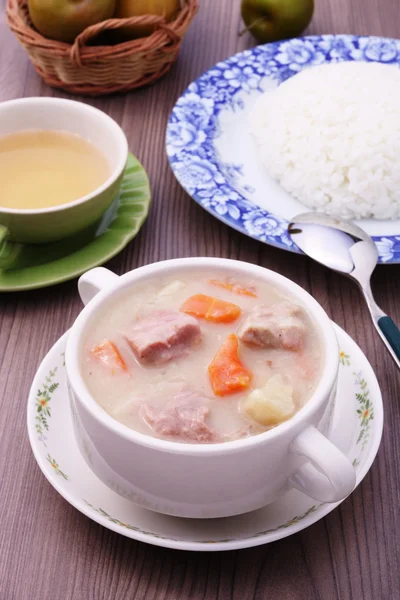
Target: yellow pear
<point>64,20</point>
<point>137,8</point>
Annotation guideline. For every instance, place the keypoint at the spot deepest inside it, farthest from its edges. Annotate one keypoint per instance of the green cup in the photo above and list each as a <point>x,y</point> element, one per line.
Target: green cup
<point>46,225</point>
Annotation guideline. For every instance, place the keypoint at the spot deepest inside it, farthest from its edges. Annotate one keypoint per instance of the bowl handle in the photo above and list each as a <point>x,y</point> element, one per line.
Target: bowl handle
<point>95,280</point>
<point>329,476</point>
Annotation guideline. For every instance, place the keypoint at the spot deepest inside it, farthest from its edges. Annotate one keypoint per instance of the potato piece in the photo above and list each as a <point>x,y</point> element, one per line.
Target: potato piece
<point>271,404</point>
<point>171,288</point>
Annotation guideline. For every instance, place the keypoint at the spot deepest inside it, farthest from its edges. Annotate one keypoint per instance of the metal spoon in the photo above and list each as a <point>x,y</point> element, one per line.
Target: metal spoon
<point>346,248</point>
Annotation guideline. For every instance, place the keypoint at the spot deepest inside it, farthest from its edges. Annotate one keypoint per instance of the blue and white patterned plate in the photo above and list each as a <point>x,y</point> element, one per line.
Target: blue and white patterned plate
<point>214,156</point>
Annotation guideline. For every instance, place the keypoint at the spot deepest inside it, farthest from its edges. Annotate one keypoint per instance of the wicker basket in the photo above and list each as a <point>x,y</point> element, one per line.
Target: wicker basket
<point>97,70</point>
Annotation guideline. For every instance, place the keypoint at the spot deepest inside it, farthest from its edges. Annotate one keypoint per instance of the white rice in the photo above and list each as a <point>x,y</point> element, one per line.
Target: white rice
<point>330,136</point>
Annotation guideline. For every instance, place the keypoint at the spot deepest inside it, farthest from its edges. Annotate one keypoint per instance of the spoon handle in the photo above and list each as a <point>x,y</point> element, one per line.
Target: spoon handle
<point>385,326</point>
<point>392,334</point>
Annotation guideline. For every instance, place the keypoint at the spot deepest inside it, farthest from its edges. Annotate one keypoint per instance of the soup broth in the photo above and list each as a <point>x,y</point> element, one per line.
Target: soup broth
<point>202,359</point>
<point>41,169</point>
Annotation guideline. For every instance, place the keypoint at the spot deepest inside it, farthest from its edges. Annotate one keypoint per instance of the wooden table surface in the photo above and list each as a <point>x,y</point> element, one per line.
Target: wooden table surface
<point>48,550</point>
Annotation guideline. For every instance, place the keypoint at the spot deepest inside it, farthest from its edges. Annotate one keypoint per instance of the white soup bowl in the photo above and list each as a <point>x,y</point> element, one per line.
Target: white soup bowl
<point>208,480</point>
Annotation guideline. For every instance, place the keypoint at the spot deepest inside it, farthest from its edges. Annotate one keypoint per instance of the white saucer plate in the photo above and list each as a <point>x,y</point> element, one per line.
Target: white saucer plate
<point>356,429</point>
<point>215,159</point>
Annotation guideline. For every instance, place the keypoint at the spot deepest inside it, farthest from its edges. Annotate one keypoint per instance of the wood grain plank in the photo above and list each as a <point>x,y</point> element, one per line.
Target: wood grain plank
<point>50,551</point>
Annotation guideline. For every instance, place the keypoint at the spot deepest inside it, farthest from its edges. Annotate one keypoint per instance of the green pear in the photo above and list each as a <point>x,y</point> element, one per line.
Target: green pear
<point>64,20</point>
<point>272,20</point>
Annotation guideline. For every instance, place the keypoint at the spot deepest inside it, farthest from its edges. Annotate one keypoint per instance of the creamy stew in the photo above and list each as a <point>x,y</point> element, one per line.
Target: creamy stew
<point>202,358</point>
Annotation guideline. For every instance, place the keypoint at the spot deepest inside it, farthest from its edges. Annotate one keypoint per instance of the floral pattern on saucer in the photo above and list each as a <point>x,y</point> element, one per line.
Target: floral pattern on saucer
<point>61,462</point>
<point>194,126</point>
<point>366,415</point>
<point>43,405</point>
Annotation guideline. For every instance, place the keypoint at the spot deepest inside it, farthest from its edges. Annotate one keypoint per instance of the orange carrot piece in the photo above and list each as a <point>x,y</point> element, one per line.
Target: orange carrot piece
<point>197,306</point>
<point>211,309</point>
<point>108,353</point>
<point>227,374</point>
<point>235,288</point>
<point>222,312</point>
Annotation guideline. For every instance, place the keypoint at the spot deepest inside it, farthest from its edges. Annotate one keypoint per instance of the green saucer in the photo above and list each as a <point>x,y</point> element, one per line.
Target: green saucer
<point>43,265</point>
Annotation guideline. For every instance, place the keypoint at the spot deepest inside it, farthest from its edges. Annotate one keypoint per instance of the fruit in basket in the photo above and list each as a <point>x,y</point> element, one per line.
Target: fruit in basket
<point>272,20</point>
<point>64,20</point>
<point>137,8</point>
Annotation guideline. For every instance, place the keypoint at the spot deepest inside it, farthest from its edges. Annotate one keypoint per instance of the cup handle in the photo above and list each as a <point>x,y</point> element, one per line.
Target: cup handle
<point>9,251</point>
<point>329,476</point>
<point>95,280</point>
